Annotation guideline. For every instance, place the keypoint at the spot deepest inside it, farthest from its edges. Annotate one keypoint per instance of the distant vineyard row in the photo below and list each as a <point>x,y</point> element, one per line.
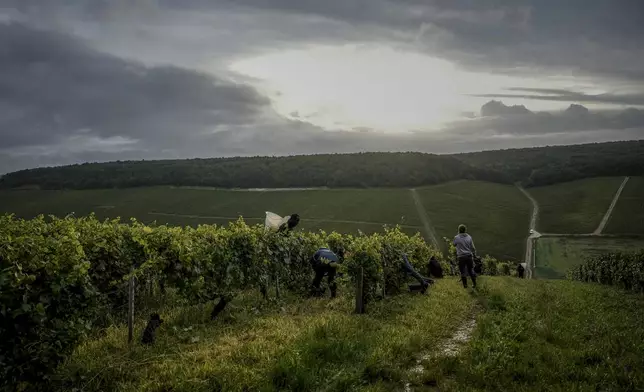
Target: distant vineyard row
<point>624,270</point>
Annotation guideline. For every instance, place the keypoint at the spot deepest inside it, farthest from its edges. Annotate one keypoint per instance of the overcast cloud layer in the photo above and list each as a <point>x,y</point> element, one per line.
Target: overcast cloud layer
<point>96,80</point>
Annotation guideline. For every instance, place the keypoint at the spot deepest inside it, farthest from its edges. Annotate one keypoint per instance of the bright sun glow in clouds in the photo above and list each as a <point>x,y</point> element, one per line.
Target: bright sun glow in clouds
<point>377,87</point>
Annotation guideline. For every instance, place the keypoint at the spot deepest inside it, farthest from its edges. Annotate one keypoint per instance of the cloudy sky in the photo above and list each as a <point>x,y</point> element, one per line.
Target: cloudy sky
<point>97,80</point>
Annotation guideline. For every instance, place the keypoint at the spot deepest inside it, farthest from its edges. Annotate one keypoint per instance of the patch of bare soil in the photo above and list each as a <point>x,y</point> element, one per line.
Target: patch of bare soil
<point>450,348</point>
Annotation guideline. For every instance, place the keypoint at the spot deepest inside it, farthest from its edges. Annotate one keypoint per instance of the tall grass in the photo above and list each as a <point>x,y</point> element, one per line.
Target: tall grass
<point>547,336</point>
<point>295,345</point>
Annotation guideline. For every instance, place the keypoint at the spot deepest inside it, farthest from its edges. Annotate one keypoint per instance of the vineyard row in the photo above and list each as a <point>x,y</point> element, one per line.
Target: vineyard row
<point>59,276</point>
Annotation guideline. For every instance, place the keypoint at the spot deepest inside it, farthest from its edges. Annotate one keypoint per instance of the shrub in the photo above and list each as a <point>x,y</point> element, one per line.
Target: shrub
<point>47,301</point>
<point>58,276</point>
<point>504,269</point>
<point>490,265</point>
<point>365,254</point>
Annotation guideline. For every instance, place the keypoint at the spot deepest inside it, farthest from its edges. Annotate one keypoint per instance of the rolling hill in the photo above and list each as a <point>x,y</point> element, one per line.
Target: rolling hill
<point>575,207</point>
<point>337,170</point>
<point>531,166</point>
<point>628,215</point>
<point>497,214</point>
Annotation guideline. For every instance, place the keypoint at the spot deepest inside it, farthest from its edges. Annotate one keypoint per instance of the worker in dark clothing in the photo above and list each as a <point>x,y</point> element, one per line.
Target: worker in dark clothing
<point>408,268</point>
<point>520,270</point>
<point>465,253</point>
<point>435,268</point>
<point>324,262</point>
<point>290,223</point>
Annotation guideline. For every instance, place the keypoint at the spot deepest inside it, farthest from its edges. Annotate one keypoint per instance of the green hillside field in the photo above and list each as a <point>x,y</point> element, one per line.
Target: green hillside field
<point>628,214</point>
<point>529,335</point>
<point>575,207</point>
<point>497,216</point>
<point>345,211</point>
<point>554,256</point>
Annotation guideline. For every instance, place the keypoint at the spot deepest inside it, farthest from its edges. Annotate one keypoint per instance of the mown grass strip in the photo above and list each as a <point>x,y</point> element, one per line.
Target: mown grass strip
<point>298,345</point>
<point>547,336</point>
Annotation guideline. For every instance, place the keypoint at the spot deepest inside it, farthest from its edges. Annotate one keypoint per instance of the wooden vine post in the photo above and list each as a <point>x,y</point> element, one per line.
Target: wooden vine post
<point>130,309</point>
<point>360,292</point>
<point>277,286</point>
<point>384,277</point>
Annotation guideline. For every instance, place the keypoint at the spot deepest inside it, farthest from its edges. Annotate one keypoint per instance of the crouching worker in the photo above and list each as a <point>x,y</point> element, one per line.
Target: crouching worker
<point>465,253</point>
<point>435,268</point>
<point>422,281</point>
<point>324,262</point>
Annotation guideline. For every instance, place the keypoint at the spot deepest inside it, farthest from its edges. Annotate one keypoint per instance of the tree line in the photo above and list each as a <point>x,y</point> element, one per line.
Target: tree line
<point>530,166</point>
<point>554,164</point>
<point>361,170</point>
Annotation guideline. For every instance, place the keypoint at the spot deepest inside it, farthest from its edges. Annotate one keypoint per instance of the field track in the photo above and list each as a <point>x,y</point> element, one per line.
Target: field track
<point>529,244</point>
<point>606,217</point>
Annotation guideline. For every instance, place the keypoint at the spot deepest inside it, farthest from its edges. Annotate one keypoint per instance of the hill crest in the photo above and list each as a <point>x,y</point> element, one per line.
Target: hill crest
<point>530,166</point>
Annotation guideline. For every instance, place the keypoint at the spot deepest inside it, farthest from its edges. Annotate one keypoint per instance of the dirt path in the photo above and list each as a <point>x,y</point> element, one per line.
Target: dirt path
<point>422,213</point>
<point>450,348</point>
<point>535,207</point>
<point>529,243</point>
<point>262,219</point>
<point>604,221</point>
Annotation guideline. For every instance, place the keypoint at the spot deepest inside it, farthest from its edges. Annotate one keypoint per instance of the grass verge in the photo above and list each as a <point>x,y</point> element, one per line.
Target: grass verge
<point>296,345</point>
<point>537,335</point>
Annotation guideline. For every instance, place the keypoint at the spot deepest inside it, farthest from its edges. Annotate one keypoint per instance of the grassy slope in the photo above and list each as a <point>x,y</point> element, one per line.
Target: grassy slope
<point>531,335</point>
<point>380,206</point>
<point>628,215</point>
<point>541,335</point>
<point>556,255</point>
<point>497,215</point>
<point>574,207</point>
<point>302,345</point>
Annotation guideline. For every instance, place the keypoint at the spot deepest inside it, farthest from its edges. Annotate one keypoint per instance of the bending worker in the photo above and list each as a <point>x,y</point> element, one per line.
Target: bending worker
<point>409,269</point>
<point>465,252</point>
<point>324,262</point>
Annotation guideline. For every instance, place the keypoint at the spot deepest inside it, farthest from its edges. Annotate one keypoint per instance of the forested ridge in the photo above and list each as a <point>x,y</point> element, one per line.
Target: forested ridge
<point>332,170</point>
<point>555,164</point>
<point>530,166</point>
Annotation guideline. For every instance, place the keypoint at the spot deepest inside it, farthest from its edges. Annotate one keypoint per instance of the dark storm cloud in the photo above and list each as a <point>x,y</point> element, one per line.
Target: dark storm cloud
<point>586,36</point>
<point>63,101</point>
<point>186,33</point>
<point>497,108</point>
<point>53,87</point>
<point>500,119</point>
<point>579,37</point>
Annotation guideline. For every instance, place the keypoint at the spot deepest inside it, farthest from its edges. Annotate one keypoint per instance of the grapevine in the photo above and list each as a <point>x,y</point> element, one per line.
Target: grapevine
<point>59,278</point>
<point>625,270</point>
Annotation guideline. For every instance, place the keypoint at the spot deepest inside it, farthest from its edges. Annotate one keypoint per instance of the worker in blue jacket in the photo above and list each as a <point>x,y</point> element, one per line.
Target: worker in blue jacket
<point>324,262</point>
